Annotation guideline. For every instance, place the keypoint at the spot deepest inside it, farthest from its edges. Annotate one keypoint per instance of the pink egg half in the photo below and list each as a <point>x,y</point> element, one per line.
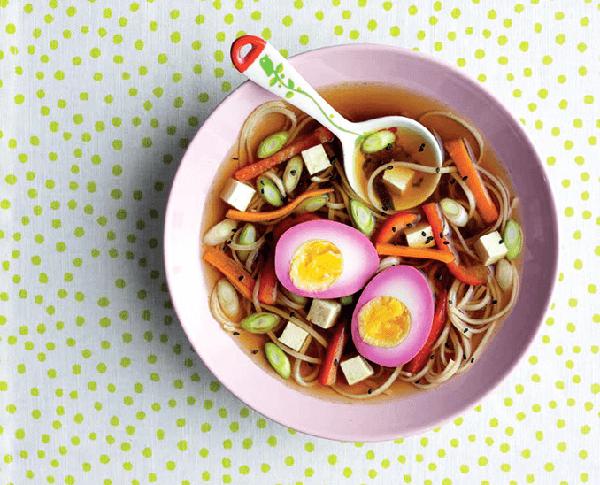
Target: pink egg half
<point>411,287</point>
<point>360,259</point>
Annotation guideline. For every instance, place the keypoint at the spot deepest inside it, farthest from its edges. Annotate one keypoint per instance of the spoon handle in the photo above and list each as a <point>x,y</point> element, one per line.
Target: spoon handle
<point>264,65</point>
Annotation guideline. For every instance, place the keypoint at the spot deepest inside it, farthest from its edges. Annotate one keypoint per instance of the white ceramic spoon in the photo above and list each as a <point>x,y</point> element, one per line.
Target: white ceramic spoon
<point>264,65</point>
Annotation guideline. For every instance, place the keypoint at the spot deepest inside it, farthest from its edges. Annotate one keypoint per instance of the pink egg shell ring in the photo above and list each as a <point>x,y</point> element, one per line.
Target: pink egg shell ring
<point>360,259</point>
<point>411,287</point>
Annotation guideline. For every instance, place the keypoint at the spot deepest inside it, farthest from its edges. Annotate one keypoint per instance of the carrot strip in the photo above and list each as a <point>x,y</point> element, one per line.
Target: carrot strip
<point>286,224</point>
<point>466,168</point>
<point>439,320</point>
<point>320,135</point>
<point>267,289</point>
<point>335,347</point>
<point>472,275</point>
<point>276,214</point>
<point>234,272</point>
<point>393,225</point>
<point>408,252</point>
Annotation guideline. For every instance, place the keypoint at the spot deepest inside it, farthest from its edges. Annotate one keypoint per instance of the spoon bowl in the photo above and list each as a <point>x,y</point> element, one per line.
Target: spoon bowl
<point>264,65</point>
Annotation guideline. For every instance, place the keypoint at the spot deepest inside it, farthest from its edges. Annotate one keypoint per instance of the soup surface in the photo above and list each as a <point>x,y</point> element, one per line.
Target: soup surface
<point>356,102</point>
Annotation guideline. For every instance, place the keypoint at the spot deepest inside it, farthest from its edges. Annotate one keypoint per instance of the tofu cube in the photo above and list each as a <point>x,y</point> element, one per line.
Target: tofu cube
<point>237,194</point>
<point>294,337</point>
<point>420,236</point>
<point>398,178</point>
<point>316,159</point>
<point>491,248</point>
<point>356,369</point>
<point>324,313</point>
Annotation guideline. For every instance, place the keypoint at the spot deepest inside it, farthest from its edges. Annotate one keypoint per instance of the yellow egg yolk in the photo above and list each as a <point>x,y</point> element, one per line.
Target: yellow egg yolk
<point>384,322</point>
<point>316,265</point>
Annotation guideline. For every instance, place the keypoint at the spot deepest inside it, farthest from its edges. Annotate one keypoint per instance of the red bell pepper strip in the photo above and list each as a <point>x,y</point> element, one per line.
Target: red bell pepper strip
<point>331,362</point>
<point>440,316</point>
<point>472,275</point>
<point>267,288</point>
<point>393,225</point>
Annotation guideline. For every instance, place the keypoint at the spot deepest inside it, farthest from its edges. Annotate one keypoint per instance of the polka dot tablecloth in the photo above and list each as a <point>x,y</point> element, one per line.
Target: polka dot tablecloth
<point>98,384</point>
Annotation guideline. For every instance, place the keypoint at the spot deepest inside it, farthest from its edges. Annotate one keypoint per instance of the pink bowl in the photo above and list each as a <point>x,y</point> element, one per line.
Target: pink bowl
<point>404,416</point>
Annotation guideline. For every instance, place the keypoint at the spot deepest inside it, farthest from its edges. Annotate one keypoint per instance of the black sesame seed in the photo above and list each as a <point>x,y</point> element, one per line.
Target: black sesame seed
<point>494,302</point>
<point>438,170</point>
<point>472,360</point>
<point>465,178</point>
<point>292,172</point>
<point>224,248</point>
<point>235,158</point>
<point>447,345</point>
<point>501,241</point>
<point>439,277</point>
<point>241,278</point>
<point>409,224</point>
<point>394,229</point>
<point>255,351</point>
<point>446,242</point>
<point>236,333</point>
<point>450,302</point>
<point>423,233</point>
<point>429,238</point>
<point>422,147</point>
<point>292,314</point>
<point>432,356</point>
<point>370,391</point>
<point>384,207</point>
<point>465,356</point>
<point>389,146</point>
<point>441,235</point>
<point>234,229</point>
<point>262,182</point>
<point>262,191</point>
<point>416,382</point>
<point>452,181</point>
<point>335,362</point>
<point>383,214</point>
<point>390,167</point>
<point>229,242</point>
<point>466,330</point>
<point>310,364</point>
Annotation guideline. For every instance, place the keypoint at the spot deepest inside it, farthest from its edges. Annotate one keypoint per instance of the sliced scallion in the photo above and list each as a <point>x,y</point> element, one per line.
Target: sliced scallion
<point>378,141</point>
<point>220,232</point>
<point>313,204</point>
<point>513,239</point>
<point>269,191</point>
<point>272,144</point>
<point>278,360</point>
<point>261,322</point>
<point>363,218</point>
<point>228,299</point>
<point>454,212</point>
<point>293,171</point>
<point>247,236</point>
<point>504,275</point>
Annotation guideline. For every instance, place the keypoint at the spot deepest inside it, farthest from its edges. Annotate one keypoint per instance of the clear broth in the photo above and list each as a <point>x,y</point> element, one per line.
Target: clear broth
<point>356,102</point>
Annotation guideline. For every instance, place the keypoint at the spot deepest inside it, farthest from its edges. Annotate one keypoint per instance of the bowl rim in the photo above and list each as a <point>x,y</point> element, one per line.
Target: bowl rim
<point>347,434</point>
